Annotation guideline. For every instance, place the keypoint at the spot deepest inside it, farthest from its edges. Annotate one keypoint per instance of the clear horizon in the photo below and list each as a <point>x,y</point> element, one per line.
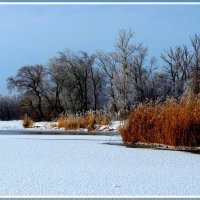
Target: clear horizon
<point>31,34</point>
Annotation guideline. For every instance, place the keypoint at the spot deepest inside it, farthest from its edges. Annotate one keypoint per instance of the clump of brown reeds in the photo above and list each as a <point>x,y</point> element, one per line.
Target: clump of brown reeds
<point>174,122</point>
<point>89,121</point>
<point>27,122</point>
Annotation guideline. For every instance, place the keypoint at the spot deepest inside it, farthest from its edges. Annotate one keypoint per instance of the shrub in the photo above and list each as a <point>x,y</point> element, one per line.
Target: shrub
<point>174,122</point>
<point>61,122</point>
<point>89,120</point>
<point>27,123</point>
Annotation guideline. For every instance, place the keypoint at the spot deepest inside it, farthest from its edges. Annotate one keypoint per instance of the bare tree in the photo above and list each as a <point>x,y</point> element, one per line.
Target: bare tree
<point>127,72</point>
<point>80,69</point>
<point>96,79</point>
<point>58,79</point>
<point>29,81</point>
<point>195,68</point>
<point>124,51</point>
<point>108,64</point>
<point>139,74</point>
<point>177,64</point>
<point>86,80</point>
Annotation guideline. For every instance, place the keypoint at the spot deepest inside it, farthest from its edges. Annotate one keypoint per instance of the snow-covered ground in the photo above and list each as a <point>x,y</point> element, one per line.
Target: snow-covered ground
<point>17,125</point>
<point>40,165</point>
<point>49,126</point>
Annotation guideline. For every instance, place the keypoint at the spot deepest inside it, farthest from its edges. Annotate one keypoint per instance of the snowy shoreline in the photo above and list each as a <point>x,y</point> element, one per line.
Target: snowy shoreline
<point>51,128</point>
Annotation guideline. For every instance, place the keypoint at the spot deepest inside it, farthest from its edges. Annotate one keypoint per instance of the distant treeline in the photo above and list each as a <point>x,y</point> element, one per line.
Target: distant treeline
<point>9,108</point>
<point>115,82</point>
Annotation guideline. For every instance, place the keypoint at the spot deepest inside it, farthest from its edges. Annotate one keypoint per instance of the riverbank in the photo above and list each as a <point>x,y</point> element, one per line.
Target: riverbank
<point>52,128</point>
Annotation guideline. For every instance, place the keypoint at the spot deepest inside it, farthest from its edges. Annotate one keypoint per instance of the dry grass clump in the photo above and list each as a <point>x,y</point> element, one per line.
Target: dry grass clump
<point>174,122</point>
<point>61,122</point>
<point>89,120</point>
<point>27,122</point>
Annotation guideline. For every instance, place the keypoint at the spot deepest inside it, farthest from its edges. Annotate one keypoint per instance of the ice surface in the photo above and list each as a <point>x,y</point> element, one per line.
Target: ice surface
<point>89,165</point>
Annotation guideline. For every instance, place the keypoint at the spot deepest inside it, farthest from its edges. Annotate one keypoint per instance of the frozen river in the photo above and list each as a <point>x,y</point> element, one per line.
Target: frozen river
<point>74,165</point>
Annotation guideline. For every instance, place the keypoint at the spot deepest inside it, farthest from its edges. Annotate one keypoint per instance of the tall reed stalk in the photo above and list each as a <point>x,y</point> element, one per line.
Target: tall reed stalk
<point>174,122</point>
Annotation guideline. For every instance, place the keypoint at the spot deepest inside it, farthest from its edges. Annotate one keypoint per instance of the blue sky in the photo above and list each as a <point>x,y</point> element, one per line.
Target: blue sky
<point>31,34</point>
